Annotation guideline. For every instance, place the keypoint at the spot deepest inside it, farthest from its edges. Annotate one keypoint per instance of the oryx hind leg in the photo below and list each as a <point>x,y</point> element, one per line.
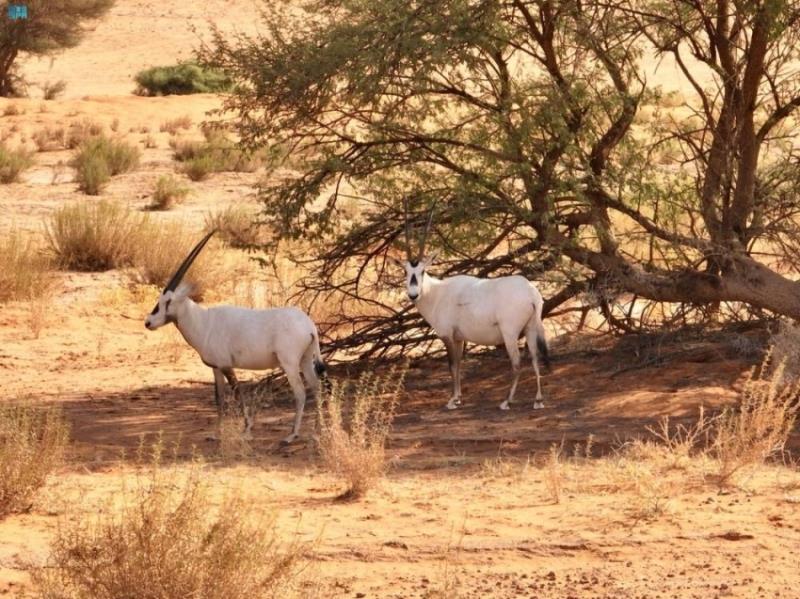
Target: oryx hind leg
<point>219,397</point>
<point>532,340</point>
<point>292,370</point>
<point>310,375</point>
<point>510,341</point>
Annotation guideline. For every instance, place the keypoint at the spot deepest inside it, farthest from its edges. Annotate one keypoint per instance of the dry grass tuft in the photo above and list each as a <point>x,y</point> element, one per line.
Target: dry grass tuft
<point>32,444</point>
<point>95,236</point>
<point>759,426</point>
<point>100,158</point>
<point>13,163</point>
<point>236,225</point>
<point>166,538</point>
<point>352,443</point>
<point>169,191</point>
<point>26,271</point>
<point>160,249</point>
<point>554,473</point>
<point>173,125</point>
<point>50,138</point>
<point>233,444</point>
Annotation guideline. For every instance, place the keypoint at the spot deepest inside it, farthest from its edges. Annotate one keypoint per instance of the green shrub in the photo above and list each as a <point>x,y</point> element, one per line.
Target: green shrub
<point>169,191</point>
<point>32,444</point>
<point>216,154</point>
<point>95,236</point>
<point>13,163</point>
<point>199,168</point>
<point>99,158</point>
<point>180,79</point>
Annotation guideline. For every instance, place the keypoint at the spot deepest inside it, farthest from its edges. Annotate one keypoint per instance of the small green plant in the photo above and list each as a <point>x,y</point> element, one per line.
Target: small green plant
<point>354,422</point>
<point>168,192</point>
<point>164,536</point>
<point>95,236</point>
<point>32,444</point>
<point>183,78</point>
<point>200,168</point>
<point>99,158</point>
<point>26,271</point>
<point>214,155</point>
<point>13,163</point>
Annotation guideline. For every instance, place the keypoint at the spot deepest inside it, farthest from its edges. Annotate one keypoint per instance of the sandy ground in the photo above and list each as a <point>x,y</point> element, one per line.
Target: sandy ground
<point>466,505</point>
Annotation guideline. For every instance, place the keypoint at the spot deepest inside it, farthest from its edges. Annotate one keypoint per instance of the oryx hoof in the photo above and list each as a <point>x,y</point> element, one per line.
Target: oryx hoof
<point>453,404</point>
<point>289,440</point>
<point>538,404</point>
<point>504,406</point>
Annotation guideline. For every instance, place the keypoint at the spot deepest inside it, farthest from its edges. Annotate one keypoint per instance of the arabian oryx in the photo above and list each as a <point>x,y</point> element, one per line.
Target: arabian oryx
<point>464,309</point>
<point>228,337</point>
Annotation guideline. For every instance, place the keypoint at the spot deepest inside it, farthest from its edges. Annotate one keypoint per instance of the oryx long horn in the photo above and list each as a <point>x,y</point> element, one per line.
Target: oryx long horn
<point>409,256</point>
<point>424,239</point>
<point>187,262</point>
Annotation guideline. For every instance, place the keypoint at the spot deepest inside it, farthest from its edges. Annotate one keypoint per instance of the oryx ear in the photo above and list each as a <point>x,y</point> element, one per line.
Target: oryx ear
<point>428,260</point>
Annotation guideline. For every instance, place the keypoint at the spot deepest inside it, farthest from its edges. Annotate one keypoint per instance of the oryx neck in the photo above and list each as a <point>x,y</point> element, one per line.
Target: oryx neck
<point>190,320</point>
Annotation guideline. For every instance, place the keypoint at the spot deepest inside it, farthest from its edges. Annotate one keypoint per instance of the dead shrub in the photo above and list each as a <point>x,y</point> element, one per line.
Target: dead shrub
<point>32,444</point>
<point>758,427</point>
<point>95,236</point>
<point>169,191</point>
<point>50,138</point>
<point>81,131</point>
<point>554,473</point>
<point>163,537</point>
<point>54,89</point>
<point>26,271</point>
<point>354,421</point>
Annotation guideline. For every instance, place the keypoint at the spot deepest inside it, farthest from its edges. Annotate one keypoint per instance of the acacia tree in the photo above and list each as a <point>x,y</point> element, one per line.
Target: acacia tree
<point>532,129</point>
<point>51,25</point>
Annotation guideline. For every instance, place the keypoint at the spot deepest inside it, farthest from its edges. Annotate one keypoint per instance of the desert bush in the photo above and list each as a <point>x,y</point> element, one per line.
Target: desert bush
<point>160,250</point>
<point>168,192</point>
<point>181,79</point>
<point>52,90</point>
<point>173,125</point>
<point>32,444</point>
<point>81,131</point>
<point>199,169</point>
<point>26,271</point>
<point>50,138</point>
<point>12,109</point>
<point>13,163</point>
<point>99,158</point>
<point>165,538</point>
<point>236,225</point>
<point>758,427</point>
<point>95,236</point>
<point>354,421</point>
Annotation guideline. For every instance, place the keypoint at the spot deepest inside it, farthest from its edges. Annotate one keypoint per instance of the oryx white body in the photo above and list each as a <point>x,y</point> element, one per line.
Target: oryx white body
<point>229,337</point>
<point>464,309</point>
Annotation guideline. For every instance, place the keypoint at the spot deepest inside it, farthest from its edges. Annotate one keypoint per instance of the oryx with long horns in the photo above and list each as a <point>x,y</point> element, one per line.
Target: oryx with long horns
<point>229,337</point>
<point>464,309</point>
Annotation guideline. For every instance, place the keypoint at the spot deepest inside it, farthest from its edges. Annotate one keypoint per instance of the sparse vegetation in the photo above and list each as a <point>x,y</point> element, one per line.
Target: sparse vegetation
<point>13,163</point>
<point>82,131</point>
<point>95,236</point>
<point>169,539</point>
<point>200,168</point>
<point>214,155</point>
<point>32,444</point>
<point>354,421</point>
<point>172,126</point>
<point>236,225</point>
<point>169,191</point>
<point>181,79</point>
<point>54,90</point>
<point>99,158</point>
<point>26,271</point>
<point>50,138</point>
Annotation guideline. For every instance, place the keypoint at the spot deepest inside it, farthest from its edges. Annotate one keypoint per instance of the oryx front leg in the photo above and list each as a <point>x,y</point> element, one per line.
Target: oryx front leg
<point>237,395</point>
<point>513,353</point>
<point>299,391</point>
<point>219,398</point>
<point>455,351</point>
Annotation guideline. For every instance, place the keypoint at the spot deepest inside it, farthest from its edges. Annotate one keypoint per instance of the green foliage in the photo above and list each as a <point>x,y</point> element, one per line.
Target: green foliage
<point>99,158</point>
<point>13,163</point>
<point>50,26</point>
<point>181,79</point>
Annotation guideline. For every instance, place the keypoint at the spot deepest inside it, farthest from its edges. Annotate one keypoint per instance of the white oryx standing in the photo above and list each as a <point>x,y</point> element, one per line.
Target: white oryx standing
<point>464,309</point>
<point>228,337</point>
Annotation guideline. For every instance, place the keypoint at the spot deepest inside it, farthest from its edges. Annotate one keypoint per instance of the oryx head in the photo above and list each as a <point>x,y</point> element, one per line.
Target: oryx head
<point>415,263</point>
<point>168,301</point>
